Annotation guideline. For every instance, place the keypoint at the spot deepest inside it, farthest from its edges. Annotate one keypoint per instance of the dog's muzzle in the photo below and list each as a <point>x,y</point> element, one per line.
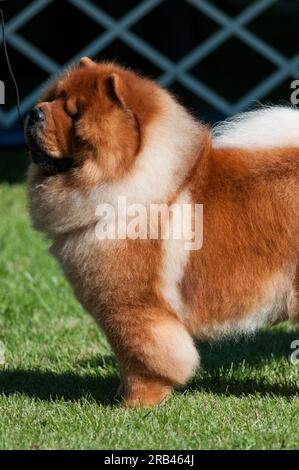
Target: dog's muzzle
<point>50,165</point>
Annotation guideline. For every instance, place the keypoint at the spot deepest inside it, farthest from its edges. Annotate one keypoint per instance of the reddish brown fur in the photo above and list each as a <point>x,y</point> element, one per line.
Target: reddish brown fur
<point>116,126</point>
<point>251,227</point>
<point>250,220</point>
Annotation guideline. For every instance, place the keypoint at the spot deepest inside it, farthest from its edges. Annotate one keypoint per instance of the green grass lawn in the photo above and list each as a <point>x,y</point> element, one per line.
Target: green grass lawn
<point>59,379</point>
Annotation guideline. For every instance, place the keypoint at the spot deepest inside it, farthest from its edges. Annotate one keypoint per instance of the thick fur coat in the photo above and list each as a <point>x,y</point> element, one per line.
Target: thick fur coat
<point>121,135</point>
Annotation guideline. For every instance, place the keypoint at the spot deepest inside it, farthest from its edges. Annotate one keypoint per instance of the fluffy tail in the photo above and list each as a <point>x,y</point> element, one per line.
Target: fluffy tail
<point>272,126</point>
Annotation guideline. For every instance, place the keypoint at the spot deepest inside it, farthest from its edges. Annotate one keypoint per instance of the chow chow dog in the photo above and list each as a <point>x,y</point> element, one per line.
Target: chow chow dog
<point>101,132</point>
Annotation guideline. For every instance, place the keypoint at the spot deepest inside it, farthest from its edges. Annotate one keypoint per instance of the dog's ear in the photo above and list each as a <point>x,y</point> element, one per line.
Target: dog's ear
<point>116,90</point>
<point>86,62</point>
<point>72,106</point>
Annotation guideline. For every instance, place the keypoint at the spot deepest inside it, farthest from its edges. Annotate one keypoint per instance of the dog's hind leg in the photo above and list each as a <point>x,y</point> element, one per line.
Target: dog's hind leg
<point>294,310</point>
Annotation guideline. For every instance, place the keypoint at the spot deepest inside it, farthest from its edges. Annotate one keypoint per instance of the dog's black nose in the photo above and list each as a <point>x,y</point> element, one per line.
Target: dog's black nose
<point>35,115</point>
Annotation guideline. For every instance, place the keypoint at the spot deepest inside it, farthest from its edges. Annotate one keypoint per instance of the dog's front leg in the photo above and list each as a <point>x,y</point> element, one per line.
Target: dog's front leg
<point>155,353</point>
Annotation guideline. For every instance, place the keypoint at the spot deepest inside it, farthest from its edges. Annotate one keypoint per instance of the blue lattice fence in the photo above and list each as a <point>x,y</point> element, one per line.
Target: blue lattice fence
<point>172,71</point>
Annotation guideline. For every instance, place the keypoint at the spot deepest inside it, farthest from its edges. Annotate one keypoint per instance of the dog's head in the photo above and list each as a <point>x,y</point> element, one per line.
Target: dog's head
<point>91,122</point>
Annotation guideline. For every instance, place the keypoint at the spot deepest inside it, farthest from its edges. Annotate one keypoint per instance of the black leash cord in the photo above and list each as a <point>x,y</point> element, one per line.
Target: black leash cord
<point>9,66</point>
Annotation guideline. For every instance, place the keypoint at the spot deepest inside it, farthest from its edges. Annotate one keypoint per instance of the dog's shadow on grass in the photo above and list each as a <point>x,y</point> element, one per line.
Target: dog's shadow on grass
<point>221,359</point>
<point>218,360</point>
<point>72,386</point>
